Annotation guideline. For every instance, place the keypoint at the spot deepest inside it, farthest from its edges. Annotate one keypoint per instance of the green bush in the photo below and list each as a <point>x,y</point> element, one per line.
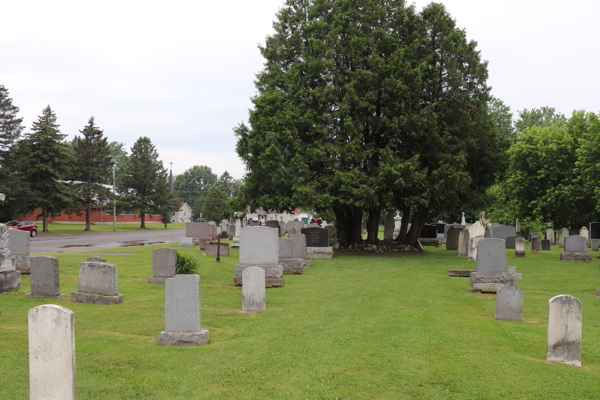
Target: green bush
<point>186,264</point>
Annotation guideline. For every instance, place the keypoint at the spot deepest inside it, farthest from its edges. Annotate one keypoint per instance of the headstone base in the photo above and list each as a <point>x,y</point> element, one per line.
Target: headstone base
<point>319,252</point>
<point>308,263</point>
<point>575,256</point>
<point>23,264</point>
<point>430,242</point>
<point>158,280</point>
<point>166,338</point>
<point>235,243</point>
<point>461,273</point>
<point>273,274</point>
<point>292,266</point>
<point>58,296</point>
<point>10,281</point>
<point>89,298</point>
<point>8,263</point>
<point>597,292</point>
<point>187,242</point>
<point>519,255</point>
<point>487,281</point>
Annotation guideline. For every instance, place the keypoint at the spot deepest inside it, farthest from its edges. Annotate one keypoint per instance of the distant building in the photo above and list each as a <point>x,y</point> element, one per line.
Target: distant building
<point>184,214</point>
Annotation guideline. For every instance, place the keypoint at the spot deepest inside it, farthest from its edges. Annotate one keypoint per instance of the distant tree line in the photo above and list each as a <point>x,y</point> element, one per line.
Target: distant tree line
<point>41,169</point>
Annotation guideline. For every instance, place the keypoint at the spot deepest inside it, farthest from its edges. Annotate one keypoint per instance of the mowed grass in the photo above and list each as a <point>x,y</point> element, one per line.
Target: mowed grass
<point>56,227</point>
<point>358,326</point>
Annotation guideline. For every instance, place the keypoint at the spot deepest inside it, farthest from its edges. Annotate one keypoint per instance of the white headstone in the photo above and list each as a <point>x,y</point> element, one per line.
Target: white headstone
<point>51,353</point>
<point>462,220</point>
<point>565,324</point>
<point>253,289</point>
<point>477,229</point>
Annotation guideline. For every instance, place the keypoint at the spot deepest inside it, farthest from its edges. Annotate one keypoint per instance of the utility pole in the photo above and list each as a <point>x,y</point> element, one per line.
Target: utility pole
<point>114,199</point>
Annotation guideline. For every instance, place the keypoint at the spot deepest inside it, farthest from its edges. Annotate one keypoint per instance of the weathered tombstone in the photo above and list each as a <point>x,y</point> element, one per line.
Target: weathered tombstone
<point>292,231</point>
<point>298,245</point>
<point>491,264</point>
<point>182,312</point>
<point>595,244</point>
<point>397,223</point>
<point>575,249</point>
<point>546,246</point>
<point>235,243</point>
<point>51,330</point>
<point>518,227</point>
<point>98,284</point>
<point>18,243</point>
<point>295,224</point>
<point>197,229</point>
<point>317,242</point>
<point>501,232</point>
<point>187,242</point>
<point>211,249</point>
<point>477,229</point>
<point>550,235</point>
<point>259,247</point>
<point>510,299</point>
<point>473,242</point>
<point>97,259</point>
<point>164,262</point>
<point>388,226</point>
<point>583,232</point>
<point>535,244</point>
<point>510,242</point>
<point>45,277</point>
<point>290,264</point>
<point>565,323</point>
<point>274,224</point>
<point>520,247</point>
<point>564,233</point>
<point>463,243</point>
<point>10,278</point>
<point>253,289</point>
<point>452,238</point>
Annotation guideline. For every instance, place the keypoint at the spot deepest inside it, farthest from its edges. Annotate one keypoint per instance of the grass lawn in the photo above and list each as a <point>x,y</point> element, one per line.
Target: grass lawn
<point>355,327</point>
<point>56,227</point>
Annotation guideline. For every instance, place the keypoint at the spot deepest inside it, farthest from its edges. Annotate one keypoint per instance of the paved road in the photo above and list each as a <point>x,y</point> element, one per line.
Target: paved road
<point>87,241</point>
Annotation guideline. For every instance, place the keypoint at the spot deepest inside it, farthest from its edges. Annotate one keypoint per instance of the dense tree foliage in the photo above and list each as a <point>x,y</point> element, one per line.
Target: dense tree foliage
<point>144,186</point>
<point>193,185</point>
<point>92,167</point>
<point>216,207</point>
<point>364,107</point>
<point>46,162</point>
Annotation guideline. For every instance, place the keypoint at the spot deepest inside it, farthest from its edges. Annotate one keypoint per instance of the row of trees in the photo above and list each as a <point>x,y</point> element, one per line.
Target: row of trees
<point>40,169</point>
<point>368,106</point>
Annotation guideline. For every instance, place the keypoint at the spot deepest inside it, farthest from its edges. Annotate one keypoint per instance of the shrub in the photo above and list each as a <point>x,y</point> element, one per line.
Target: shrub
<point>186,264</point>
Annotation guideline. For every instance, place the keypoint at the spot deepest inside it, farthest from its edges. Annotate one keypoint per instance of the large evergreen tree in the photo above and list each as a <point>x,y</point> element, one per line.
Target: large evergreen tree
<point>216,207</point>
<point>10,132</point>
<point>367,106</point>
<point>193,185</point>
<point>93,167</point>
<point>46,164</point>
<point>143,185</point>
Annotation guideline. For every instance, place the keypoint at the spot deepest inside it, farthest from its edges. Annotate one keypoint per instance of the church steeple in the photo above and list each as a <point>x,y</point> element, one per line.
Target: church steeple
<point>171,177</point>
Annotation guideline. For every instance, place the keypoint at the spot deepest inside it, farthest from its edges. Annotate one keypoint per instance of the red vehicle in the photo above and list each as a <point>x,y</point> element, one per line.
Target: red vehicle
<point>29,226</point>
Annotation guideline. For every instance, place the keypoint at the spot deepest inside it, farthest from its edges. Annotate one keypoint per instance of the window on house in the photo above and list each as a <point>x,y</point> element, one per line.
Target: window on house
<point>185,213</point>
<point>173,214</point>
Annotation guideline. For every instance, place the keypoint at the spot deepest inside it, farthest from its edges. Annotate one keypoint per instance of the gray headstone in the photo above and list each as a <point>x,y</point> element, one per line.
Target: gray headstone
<point>565,324</point>
<point>253,289</point>
<point>182,303</point>
<point>473,245</point>
<point>163,263</point>
<point>298,245</point>
<point>274,224</point>
<point>259,245</point>
<point>491,256</point>
<point>510,299</point>
<point>98,278</point>
<point>550,235</point>
<point>452,238</point>
<point>286,248</point>
<point>212,247</point>
<point>197,229</point>
<point>501,232</point>
<point>575,244</point>
<point>564,233</point>
<point>45,276</point>
<point>316,237</point>
<point>535,245</point>
<point>546,246</point>
<point>463,243</point>
<point>520,247</point>
<point>18,242</point>
<point>595,244</point>
<point>510,242</point>
<point>292,231</point>
<point>188,241</point>
<point>51,330</point>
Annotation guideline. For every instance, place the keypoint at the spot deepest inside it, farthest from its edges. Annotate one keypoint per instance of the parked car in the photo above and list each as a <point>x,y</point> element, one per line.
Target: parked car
<point>29,226</point>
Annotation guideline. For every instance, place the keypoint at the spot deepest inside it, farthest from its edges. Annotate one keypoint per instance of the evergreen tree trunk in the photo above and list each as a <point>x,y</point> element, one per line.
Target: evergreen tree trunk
<point>373,224</point>
<point>45,218</point>
<point>417,224</point>
<point>348,224</point>
<point>142,220</point>
<point>88,225</point>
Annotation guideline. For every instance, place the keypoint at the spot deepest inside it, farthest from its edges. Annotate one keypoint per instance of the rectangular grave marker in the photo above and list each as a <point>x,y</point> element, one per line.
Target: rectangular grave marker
<point>565,324</point>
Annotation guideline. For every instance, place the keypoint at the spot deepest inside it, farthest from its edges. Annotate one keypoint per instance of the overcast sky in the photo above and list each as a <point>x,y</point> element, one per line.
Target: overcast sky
<point>181,72</point>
